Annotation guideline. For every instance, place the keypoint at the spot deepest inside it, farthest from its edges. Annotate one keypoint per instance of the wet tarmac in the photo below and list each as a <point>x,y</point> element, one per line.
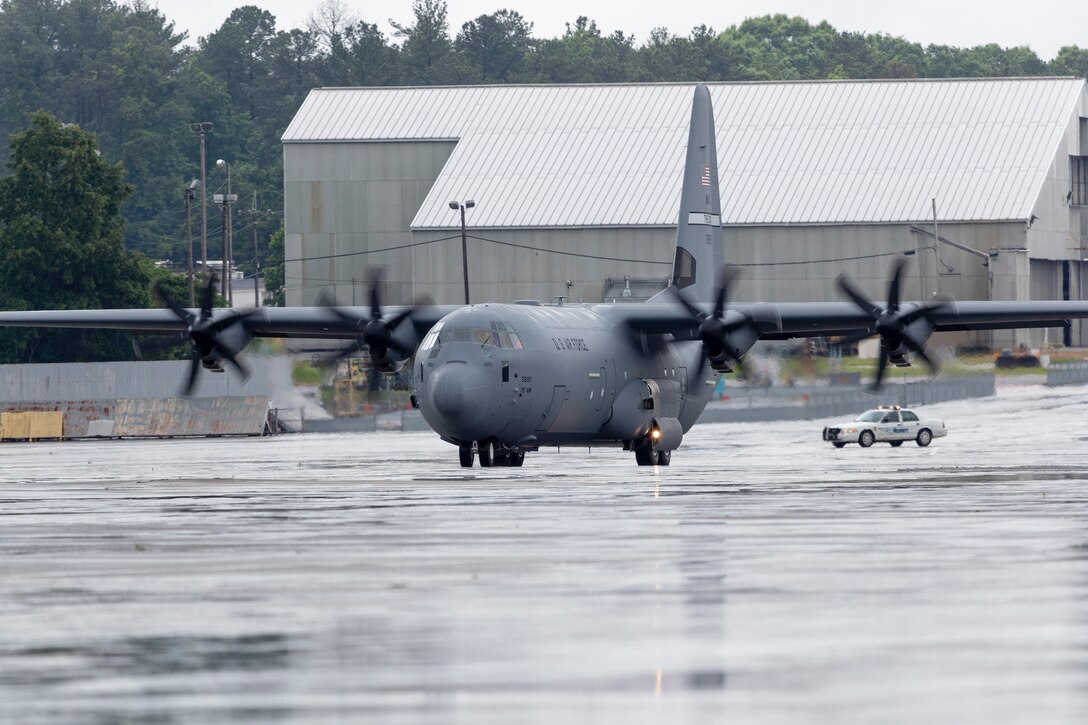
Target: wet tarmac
<point>765,577</point>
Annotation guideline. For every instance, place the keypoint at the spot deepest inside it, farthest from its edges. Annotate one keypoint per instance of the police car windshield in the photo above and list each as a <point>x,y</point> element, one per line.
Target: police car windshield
<point>870,416</point>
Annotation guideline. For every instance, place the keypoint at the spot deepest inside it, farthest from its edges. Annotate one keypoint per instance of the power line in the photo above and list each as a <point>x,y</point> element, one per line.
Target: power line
<point>482,239</point>
<point>824,261</point>
<point>570,254</point>
<point>372,251</point>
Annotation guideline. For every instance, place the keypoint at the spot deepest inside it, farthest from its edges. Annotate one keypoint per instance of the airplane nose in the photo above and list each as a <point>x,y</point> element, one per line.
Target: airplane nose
<point>459,393</point>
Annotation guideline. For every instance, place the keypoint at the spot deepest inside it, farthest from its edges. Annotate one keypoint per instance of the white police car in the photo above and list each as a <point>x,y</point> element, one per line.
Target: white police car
<point>886,424</point>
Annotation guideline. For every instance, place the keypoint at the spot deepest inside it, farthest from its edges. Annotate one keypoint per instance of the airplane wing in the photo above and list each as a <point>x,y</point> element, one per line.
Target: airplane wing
<point>217,336</point>
<point>841,318</point>
<point>316,322</point>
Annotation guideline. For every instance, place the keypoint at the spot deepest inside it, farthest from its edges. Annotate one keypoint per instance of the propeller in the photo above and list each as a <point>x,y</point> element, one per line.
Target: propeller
<point>387,353</point>
<point>205,334</point>
<point>899,331</point>
<point>726,334</point>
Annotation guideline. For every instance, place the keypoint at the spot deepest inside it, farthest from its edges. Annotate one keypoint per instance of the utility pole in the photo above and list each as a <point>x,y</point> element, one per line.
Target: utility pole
<point>190,194</point>
<point>226,200</point>
<point>256,262</point>
<point>203,128</point>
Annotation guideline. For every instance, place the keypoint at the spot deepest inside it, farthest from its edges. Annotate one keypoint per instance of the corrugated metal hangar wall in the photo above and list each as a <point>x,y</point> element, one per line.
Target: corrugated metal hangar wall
<point>580,184</point>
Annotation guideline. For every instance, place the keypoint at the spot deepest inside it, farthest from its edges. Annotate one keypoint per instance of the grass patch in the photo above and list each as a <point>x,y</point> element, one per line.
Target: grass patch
<point>304,373</point>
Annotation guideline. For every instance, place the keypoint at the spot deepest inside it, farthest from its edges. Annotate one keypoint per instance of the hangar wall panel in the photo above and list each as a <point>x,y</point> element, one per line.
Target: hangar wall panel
<point>345,203</point>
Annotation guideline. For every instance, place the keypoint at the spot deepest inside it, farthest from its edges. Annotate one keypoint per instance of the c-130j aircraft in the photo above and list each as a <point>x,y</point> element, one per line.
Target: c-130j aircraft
<point>499,380</point>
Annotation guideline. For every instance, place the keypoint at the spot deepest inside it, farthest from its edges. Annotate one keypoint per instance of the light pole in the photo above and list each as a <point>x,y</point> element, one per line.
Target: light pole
<point>202,128</point>
<point>226,200</point>
<point>256,259</point>
<point>469,203</point>
<point>190,194</point>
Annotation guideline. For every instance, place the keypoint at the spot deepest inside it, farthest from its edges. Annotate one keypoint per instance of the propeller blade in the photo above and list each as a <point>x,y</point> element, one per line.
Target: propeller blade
<point>850,290</point>
<point>194,368</point>
<point>229,355</point>
<point>694,311</point>
<point>920,351</point>
<point>726,277</point>
<point>893,288</point>
<point>401,348</point>
<point>922,311</point>
<point>376,276</point>
<point>400,317</point>
<point>207,298</point>
<point>168,301</point>
<point>882,365</point>
<point>353,321</point>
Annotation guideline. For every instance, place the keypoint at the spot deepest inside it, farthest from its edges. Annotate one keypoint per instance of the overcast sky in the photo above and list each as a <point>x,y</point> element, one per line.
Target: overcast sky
<point>1044,25</point>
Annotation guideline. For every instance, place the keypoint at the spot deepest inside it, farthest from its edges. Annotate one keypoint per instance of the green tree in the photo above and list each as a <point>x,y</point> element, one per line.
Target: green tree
<point>1070,60</point>
<point>427,54</point>
<point>668,57</point>
<point>273,271</point>
<point>496,45</point>
<point>61,242</point>
<point>361,57</point>
<point>115,70</point>
<point>584,55</point>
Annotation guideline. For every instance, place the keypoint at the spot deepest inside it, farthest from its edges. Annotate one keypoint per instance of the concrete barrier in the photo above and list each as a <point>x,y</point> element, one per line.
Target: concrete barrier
<point>1067,373</point>
<point>813,403</point>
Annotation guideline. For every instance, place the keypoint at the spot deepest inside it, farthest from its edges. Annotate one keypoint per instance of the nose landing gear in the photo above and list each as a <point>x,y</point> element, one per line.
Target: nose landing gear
<point>490,455</point>
<point>466,453</point>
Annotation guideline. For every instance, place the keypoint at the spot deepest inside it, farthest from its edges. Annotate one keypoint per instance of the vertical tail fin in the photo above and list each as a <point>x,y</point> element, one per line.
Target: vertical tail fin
<point>699,252</point>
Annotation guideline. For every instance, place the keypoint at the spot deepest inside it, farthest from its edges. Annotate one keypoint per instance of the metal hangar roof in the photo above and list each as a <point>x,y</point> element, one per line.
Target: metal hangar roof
<point>819,152</point>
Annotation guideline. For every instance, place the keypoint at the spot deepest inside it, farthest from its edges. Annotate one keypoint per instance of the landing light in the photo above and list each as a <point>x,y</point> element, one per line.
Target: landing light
<point>656,434</point>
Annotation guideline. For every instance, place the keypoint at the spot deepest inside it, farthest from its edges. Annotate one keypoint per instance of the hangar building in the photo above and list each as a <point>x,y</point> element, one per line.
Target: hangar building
<point>576,190</point>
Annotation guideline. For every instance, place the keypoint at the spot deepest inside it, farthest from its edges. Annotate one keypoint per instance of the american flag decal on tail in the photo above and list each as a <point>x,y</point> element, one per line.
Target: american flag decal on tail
<point>706,176</point>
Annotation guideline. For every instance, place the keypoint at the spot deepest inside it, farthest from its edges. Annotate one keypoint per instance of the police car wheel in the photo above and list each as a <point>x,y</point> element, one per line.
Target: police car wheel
<point>866,439</point>
<point>924,437</point>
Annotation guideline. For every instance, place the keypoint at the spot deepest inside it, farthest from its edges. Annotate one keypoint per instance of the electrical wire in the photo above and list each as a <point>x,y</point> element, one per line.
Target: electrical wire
<point>823,261</point>
<point>569,254</point>
<point>372,251</point>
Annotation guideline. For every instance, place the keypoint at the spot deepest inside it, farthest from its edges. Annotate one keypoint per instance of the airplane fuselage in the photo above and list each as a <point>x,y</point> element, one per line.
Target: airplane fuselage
<point>523,376</point>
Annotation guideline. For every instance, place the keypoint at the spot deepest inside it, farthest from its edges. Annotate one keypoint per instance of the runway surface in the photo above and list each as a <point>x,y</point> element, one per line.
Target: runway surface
<point>765,577</point>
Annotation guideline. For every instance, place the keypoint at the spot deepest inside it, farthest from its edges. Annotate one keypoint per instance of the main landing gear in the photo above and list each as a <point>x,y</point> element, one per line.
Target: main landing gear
<point>645,455</point>
<point>490,455</point>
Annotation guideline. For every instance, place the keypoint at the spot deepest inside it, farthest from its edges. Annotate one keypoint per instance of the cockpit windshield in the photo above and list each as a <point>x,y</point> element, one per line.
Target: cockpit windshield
<point>499,334</point>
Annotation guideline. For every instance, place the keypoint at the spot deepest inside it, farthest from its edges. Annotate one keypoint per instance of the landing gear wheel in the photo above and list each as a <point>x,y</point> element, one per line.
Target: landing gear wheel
<point>866,439</point>
<point>487,453</point>
<point>839,445</point>
<point>896,444</point>
<point>645,456</point>
<point>664,458</point>
<point>465,454</point>
<point>516,459</point>
<point>924,437</point>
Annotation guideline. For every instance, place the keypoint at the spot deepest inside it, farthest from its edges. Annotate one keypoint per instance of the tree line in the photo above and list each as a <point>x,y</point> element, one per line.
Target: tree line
<point>124,73</point>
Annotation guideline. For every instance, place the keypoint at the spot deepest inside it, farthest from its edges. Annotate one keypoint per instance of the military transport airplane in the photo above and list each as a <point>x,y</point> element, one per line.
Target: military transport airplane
<point>498,380</point>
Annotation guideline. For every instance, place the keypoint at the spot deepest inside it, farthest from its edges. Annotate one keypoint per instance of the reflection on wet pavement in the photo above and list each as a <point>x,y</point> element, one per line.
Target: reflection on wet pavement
<point>764,577</point>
